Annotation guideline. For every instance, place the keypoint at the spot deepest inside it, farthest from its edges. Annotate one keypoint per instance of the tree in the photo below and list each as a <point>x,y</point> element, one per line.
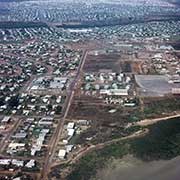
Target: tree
<point>14,101</point>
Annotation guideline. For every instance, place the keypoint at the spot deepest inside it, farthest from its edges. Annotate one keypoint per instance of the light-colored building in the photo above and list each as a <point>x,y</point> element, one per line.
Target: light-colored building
<point>62,153</point>
<point>70,125</point>
<point>6,119</point>
<point>115,92</point>
<point>176,91</point>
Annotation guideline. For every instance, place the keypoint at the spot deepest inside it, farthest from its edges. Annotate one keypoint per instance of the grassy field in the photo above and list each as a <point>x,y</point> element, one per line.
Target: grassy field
<point>155,108</point>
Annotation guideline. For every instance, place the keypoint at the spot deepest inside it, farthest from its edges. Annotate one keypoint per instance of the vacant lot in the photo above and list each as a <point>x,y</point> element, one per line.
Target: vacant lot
<point>154,85</point>
<point>104,124</point>
<point>103,61</point>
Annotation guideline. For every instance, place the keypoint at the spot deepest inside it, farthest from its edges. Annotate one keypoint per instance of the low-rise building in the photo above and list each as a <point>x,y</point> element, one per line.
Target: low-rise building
<point>62,153</point>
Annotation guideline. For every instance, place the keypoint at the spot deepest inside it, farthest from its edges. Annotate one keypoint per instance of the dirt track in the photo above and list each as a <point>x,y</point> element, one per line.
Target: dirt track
<point>91,148</point>
<point>147,122</point>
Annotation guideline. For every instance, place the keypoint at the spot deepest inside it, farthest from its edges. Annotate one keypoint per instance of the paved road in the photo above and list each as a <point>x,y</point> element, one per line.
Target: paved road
<point>59,129</point>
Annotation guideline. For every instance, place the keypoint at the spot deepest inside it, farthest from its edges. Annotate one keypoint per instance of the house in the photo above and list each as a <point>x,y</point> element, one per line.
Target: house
<point>17,163</point>
<point>2,127</point>
<point>34,149</point>
<point>5,161</point>
<point>69,148</point>
<point>20,135</point>
<point>104,92</point>
<point>129,104</point>
<point>45,122</point>
<point>58,100</point>
<point>62,153</point>
<point>119,92</point>
<point>71,132</point>
<point>6,119</point>
<point>115,92</point>
<point>70,125</point>
<point>15,145</point>
<point>30,164</point>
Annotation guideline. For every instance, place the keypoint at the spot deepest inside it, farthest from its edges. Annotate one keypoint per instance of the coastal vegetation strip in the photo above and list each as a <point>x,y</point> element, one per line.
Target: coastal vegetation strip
<point>162,142</point>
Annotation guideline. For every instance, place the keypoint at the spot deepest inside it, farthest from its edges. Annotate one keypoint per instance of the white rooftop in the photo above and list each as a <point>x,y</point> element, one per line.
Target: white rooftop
<point>62,153</point>
<point>70,125</point>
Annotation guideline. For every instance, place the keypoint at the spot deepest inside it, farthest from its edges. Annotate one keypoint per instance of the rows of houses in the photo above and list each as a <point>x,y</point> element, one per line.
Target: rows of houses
<point>17,163</point>
<point>31,137</point>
